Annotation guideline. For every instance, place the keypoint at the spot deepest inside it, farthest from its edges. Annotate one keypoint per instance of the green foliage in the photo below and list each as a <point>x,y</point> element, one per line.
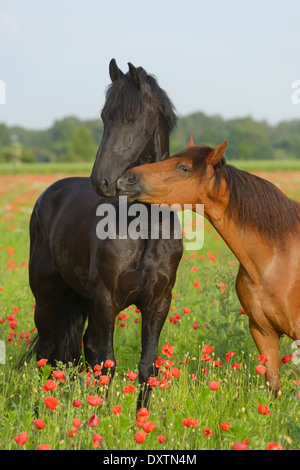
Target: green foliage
<point>71,139</point>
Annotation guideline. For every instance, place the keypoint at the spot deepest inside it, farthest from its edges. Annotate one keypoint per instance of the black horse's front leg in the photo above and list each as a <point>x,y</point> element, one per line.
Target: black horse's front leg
<point>153,319</point>
<point>98,338</point>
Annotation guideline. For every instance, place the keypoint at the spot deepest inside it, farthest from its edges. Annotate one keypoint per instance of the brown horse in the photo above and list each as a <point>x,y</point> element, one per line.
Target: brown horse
<point>257,221</point>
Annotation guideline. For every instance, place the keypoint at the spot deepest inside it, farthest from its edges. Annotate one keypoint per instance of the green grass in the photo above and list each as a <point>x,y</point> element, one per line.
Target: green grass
<point>85,168</point>
<point>220,325</point>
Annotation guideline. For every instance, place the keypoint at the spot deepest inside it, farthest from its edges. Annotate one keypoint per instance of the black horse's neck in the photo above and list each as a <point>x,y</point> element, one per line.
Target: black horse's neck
<point>158,147</point>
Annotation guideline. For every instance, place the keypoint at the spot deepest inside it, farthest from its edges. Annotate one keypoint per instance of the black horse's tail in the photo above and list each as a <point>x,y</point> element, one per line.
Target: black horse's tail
<point>27,354</point>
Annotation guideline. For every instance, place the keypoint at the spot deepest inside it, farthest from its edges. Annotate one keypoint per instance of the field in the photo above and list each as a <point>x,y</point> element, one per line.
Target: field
<point>209,393</point>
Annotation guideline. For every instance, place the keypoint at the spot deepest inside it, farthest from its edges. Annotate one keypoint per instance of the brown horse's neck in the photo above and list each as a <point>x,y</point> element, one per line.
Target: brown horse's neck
<point>246,245</point>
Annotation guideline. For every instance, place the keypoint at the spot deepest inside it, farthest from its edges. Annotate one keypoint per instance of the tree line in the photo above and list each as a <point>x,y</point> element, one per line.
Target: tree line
<point>75,140</point>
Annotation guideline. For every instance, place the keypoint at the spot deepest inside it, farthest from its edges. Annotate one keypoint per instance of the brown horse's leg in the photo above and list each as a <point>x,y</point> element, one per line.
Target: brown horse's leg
<point>268,344</point>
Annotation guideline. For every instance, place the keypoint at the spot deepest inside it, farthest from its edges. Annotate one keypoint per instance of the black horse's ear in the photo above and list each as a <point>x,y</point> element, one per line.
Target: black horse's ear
<point>114,72</point>
<point>134,75</point>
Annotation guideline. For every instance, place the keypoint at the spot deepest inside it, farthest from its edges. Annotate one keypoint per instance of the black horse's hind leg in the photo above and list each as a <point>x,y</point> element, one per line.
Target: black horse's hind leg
<point>98,338</point>
<point>60,313</point>
<point>60,321</point>
<point>153,319</point>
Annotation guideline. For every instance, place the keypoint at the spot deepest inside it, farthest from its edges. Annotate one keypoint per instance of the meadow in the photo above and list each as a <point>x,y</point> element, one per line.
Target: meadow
<point>210,392</point>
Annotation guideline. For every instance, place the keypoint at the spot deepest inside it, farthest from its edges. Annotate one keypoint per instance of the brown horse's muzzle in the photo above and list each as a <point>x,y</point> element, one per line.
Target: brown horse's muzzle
<point>129,185</point>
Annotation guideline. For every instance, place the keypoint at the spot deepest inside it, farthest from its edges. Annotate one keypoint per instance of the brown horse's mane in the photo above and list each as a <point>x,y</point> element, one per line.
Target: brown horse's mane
<point>254,202</point>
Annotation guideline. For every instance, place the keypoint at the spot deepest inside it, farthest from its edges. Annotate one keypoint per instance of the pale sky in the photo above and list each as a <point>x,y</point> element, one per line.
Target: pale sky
<point>232,58</point>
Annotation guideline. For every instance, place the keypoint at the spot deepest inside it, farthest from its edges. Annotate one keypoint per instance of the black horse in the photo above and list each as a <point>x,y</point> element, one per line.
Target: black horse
<point>74,275</point>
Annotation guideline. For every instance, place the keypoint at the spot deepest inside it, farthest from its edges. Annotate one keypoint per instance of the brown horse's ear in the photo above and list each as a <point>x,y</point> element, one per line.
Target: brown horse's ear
<point>216,154</point>
<point>191,142</point>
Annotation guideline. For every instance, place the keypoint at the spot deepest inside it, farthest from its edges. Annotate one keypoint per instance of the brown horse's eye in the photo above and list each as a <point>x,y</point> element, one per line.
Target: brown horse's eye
<point>184,169</point>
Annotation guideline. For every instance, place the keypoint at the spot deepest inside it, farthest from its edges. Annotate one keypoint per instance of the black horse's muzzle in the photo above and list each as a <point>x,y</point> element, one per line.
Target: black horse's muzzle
<point>104,187</point>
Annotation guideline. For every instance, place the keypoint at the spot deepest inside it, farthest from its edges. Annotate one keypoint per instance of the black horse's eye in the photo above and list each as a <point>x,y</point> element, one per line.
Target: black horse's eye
<point>184,169</point>
<point>129,120</point>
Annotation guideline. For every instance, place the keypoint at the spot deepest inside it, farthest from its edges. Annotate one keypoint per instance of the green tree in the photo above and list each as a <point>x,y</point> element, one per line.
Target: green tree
<point>82,147</point>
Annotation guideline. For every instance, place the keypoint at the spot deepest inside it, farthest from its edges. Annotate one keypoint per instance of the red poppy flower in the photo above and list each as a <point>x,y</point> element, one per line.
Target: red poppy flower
<point>117,410</point>
<point>225,426</point>
<point>140,437</point>
<point>159,362</point>
<point>229,354</point>
<point>263,409</point>
<point>97,438</point>
<point>128,389</point>
<point>207,349</point>
<point>206,358</point>
<point>77,403</point>
<point>41,362</point>
<point>39,423</point>
<point>104,379</point>
<point>235,366</point>
<point>76,422</point>
<point>94,400</point>
<point>161,439</point>
<point>273,446</point>
<point>175,372</point>
<point>131,375</point>
<point>143,414</point>
<point>43,447</point>
<point>73,432</point>
<point>260,369</point>
<point>59,375</point>
<point>93,421</point>
<point>262,358</point>
<point>218,363</point>
<point>153,382</point>
<point>21,438</point>
<point>190,422</point>
<point>186,310</point>
<point>51,403</point>
<point>108,363</point>
<point>286,358</point>
<point>240,445</point>
<point>168,350</point>
<point>207,432</point>
<point>148,426</point>
<point>214,385</point>
<point>197,285</point>
<point>49,386</point>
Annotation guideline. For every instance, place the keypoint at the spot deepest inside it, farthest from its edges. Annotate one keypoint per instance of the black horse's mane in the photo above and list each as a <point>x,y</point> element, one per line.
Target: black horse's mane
<point>125,100</point>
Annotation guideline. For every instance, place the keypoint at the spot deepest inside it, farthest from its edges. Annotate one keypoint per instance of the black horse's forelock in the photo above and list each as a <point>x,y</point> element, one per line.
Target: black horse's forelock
<point>125,101</point>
